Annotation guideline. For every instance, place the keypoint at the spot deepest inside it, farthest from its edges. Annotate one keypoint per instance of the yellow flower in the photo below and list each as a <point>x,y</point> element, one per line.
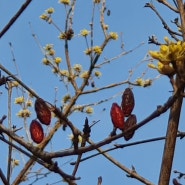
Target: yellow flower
<point>29,103</point>
<point>71,137</point>
<point>89,110</point>
<point>106,26</point>
<point>48,47</point>
<point>97,1</point>
<point>165,69</point>
<point>64,73</point>
<point>97,73</point>
<point>88,51</point>
<point>152,66</point>
<point>58,60</point>
<point>66,2</point>
<point>51,52</point>
<point>62,36</point>
<point>84,33</point>
<point>44,17</point>
<point>45,61</point>
<point>15,162</point>
<point>97,50</point>
<point>66,98</point>
<point>114,35</point>
<point>85,74</point>
<point>24,113</point>
<point>140,82</point>
<point>50,10</point>
<point>19,100</point>
<point>14,84</point>
<point>77,68</point>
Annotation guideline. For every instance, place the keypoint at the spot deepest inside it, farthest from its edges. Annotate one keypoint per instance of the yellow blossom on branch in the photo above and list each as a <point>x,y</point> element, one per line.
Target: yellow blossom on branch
<point>84,33</point>
<point>97,50</point>
<point>89,110</point>
<point>19,100</point>
<point>114,35</point>
<point>50,10</point>
<point>58,60</point>
<point>24,113</point>
<point>65,2</point>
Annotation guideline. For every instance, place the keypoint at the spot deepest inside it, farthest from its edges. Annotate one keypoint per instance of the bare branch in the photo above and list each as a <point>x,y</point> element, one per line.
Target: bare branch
<point>15,17</point>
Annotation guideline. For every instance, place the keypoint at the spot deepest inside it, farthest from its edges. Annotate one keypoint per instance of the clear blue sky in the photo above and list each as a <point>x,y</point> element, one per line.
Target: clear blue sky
<point>136,23</point>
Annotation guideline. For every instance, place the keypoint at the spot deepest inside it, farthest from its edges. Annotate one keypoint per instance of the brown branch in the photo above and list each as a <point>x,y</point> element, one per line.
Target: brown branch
<point>3,178</point>
<point>167,4</point>
<point>117,146</point>
<point>15,17</point>
<point>166,27</point>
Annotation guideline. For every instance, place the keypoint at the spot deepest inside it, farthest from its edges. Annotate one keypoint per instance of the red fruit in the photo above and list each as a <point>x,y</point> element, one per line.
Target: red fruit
<point>128,102</point>
<point>117,116</point>
<point>42,111</point>
<point>36,131</point>
<point>130,122</point>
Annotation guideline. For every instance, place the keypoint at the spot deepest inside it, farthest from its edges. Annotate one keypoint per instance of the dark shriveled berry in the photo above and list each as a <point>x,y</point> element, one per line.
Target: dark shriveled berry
<point>130,122</point>
<point>42,111</point>
<point>36,131</point>
<point>117,116</point>
<point>128,102</point>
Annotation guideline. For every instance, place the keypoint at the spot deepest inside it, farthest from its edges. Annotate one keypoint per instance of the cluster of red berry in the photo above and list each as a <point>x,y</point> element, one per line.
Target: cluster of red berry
<point>118,114</point>
<point>44,116</point>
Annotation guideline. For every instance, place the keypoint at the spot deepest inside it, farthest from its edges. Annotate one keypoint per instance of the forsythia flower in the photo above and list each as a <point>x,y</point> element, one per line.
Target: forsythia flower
<point>19,100</point>
<point>58,60</point>
<point>114,35</point>
<point>84,33</point>
<point>97,50</point>
<point>66,2</point>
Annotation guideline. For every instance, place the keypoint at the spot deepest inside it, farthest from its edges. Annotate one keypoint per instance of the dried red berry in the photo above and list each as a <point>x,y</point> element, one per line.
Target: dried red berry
<point>42,111</point>
<point>131,121</point>
<point>117,116</point>
<point>128,102</point>
<point>36,131</point>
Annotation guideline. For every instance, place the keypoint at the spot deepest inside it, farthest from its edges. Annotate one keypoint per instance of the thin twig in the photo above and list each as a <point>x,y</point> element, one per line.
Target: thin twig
<point>15,17</point>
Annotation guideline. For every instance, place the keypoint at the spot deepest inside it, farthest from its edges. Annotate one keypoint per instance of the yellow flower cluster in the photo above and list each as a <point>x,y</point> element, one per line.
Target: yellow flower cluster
<point>24,113</point>
<point>170,55</point>
<point>114,35</point>
<point>19,100</point>
<point>84,33</point>
<point>65,2</point>
<point>47,15</point>
<point>97,50</point>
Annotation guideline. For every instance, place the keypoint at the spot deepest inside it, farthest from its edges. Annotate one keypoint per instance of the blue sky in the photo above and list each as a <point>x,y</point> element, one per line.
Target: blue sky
<point>136,23</point>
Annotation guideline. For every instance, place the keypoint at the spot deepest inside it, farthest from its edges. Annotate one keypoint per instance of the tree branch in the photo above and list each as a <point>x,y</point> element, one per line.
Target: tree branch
<point>15,17</point>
